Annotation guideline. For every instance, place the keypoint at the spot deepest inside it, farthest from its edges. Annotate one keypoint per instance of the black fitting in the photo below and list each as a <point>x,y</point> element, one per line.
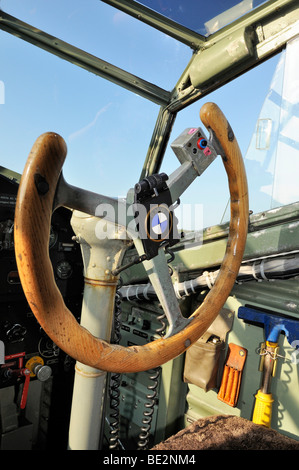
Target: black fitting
<point>150,183</point>
<point>41,184</point>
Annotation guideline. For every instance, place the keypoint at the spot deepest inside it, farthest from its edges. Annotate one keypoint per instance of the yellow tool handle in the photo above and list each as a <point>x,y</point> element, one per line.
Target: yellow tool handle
<point>262,413</point>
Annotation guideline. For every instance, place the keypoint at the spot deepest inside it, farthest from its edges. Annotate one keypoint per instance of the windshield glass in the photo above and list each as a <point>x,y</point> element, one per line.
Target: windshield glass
<point>272,156</point>
<point>107,129</point>
<point>203,18</point>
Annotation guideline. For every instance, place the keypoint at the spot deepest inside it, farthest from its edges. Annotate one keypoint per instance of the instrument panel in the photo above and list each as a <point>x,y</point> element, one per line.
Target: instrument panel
<point>19,330</point>
<point>26,346</point>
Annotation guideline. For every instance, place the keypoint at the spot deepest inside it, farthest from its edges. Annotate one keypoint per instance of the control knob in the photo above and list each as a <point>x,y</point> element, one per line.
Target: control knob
<point>38,369</point>
<point>42,372</point>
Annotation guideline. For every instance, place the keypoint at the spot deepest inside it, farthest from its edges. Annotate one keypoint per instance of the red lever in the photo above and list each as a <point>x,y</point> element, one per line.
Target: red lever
<point>26,374</point>
<point>22,373</point>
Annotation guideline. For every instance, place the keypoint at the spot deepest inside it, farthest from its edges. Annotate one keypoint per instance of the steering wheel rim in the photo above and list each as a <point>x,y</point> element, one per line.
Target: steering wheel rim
<point>32,226</point>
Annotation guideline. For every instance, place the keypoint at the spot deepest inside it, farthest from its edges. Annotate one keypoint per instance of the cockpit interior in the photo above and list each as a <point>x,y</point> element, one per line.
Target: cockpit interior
<point>149,226</point>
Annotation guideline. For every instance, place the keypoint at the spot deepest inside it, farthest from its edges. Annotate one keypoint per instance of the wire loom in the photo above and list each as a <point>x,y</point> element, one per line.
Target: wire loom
<point>266,269</point>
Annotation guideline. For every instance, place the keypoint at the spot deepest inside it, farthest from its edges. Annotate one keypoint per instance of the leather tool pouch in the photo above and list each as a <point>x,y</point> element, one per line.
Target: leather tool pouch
<point>232,375</point>
<point>205,356</point>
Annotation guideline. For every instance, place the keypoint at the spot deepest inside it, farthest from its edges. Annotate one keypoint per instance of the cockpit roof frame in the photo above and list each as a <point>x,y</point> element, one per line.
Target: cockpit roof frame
<point>268,16</point>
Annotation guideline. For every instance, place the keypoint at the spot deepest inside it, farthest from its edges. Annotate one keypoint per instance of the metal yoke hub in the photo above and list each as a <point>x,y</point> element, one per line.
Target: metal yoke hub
<point>154,215</point>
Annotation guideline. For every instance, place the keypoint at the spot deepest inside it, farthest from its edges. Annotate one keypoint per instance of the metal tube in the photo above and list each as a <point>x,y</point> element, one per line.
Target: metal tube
<point>100,257</point>
<point>83,59</point>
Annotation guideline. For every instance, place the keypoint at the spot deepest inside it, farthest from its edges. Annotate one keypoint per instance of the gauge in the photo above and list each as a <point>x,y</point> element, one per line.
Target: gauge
<point>64,269</point>
<point>53,237</point>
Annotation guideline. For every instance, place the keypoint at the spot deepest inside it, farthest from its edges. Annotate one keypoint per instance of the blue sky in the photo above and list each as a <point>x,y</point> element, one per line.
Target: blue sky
<point>107,129</point>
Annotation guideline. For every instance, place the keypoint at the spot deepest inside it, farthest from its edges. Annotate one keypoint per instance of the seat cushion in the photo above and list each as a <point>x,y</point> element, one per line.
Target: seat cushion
<point>225,432</point>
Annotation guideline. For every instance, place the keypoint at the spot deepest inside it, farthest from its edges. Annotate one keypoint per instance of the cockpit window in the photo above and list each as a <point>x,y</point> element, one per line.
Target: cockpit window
<point>109,34</point>
<point>107,129</point>
<point>272,155</point>
<point>204,18</point>
<point>243,102</point>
